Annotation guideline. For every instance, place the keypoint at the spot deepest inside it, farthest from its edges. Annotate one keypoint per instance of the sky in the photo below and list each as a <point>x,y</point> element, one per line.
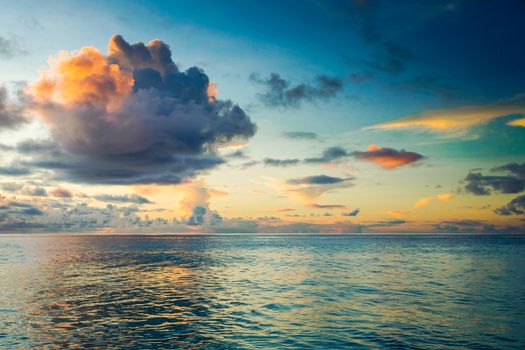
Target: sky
<point>262,116</point>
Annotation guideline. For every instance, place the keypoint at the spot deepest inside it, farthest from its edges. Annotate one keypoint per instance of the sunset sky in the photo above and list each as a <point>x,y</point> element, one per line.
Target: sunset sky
<point>262,116</point>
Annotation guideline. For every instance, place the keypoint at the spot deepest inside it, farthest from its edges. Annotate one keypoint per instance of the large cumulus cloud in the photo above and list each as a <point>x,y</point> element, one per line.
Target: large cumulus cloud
<point>131,116</point>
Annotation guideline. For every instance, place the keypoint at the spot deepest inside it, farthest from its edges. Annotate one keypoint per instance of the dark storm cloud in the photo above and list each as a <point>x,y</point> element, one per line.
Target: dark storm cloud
<point>514,207</point>
<point>147,122</point>
<point>329,155</point>
<point>301,135</point>
<point>11,113</point>
<point>482,185</point>
<point>354,212</point>
<point>317,180</point>
<point>123,198</point>
<point>281,93</point>
<point>280,162</point>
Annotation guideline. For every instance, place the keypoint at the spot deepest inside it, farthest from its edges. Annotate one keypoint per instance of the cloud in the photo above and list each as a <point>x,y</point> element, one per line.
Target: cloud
<point>238,154</point>
<point>15,214</point>
<point>280,92</point>
<point>132,116</point>
<point>60,192</point>
<point>317,180</point>
<point>308,189</point>
<point>203,216</point>
<point>397,214</point>
<point>517,122</point>
<point>454,119</point>
<point>194,196</point>
<point>422,202</point>
<point>280,162</point>
<point>426,83</point>
<point>360,77</point>
<point>303,135</point>
<point>445,197</point>
<point>327,206</point>
<point>482,185</point>
<point>11,114</point>
<point>514,207</point>
<point>387,223</point>
<point>54,216</point>
<point>35,191</point>
<point>330,154</point>
<point>10,47</point>
<point>388,158</point>
<point>122,198</point>
<point>461,226</point>
<point>518,170</point>
<point>21,189</point>
<point>391,57</point>
<point>354,212</point>
<point>14,171</point>
<point>11,186</point>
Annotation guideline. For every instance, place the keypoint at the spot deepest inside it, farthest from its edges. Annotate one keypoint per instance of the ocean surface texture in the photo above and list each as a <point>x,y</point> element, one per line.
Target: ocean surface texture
<point>262,292</point>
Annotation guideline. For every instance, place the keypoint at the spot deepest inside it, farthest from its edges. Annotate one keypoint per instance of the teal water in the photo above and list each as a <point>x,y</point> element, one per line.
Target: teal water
<point>262,292</point>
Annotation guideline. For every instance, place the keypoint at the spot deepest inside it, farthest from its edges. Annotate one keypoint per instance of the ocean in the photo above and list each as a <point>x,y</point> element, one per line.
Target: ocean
<point>262,292</point>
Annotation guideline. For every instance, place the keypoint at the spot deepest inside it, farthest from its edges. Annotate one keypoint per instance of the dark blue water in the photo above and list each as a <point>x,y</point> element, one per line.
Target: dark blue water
<point>247,292</point>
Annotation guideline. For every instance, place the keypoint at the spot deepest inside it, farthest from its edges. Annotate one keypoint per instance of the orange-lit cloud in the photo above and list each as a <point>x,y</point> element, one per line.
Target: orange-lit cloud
<point>445,197</point>
<point>397,214</point>
<point>60,192</point>
<point>445,120</point>
<point>212,92</point>
<point>83,77</point>
<point>194,195</point>
<point>387,158</point>
<point>422,202</point>
<point>517,122</point>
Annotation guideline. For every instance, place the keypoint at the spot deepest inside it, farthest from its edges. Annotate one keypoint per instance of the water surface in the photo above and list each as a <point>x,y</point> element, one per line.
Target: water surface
<point>260,292</point>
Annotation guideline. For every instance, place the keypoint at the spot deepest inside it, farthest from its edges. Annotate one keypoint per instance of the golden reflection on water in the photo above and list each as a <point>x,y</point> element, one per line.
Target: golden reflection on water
<point>258,292</point>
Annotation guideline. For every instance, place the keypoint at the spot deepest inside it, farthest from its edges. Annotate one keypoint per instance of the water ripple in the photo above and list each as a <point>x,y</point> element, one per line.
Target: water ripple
<point>260,292</point>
